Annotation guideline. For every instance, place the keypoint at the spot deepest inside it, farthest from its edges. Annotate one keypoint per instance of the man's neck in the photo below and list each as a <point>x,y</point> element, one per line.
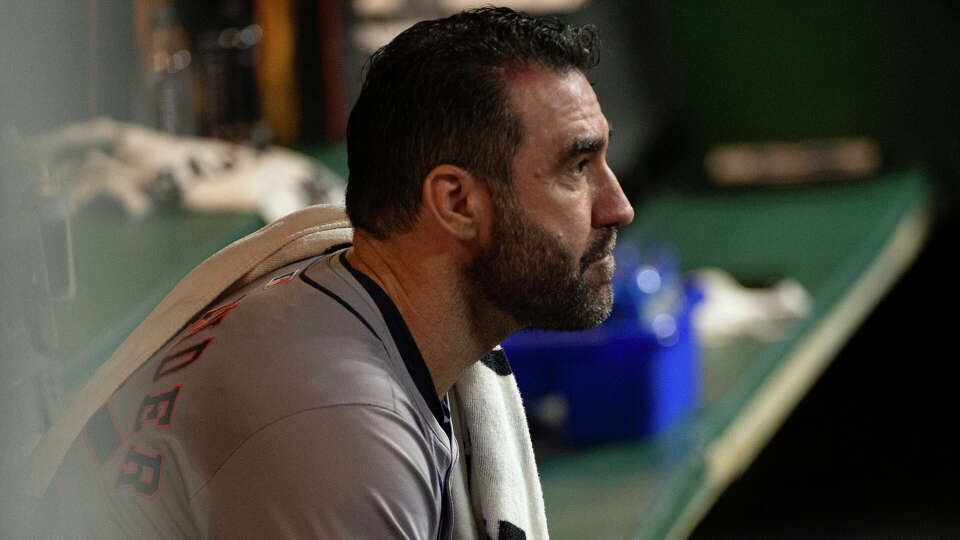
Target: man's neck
<point>451,327</point>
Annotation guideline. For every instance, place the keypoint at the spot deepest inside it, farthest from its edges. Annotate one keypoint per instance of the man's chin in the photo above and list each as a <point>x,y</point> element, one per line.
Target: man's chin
<point>589,313</point>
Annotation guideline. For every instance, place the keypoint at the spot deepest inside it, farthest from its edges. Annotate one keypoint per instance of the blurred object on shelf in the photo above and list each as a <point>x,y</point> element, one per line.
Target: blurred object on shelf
<point>228,43</point>
<point>200,62</point>
<point>260,71</point>
<point>635,375</point>
<point>142,169</point>
<point>276,67</point>
<point>730,311</point>
<point>168,101</point>
<point>792,162</point>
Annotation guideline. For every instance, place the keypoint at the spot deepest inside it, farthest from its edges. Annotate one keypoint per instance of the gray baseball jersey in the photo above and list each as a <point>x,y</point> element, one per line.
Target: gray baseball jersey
<point>298,406</point>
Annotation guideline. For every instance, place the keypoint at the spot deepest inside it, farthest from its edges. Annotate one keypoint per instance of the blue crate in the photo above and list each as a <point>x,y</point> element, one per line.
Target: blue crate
<point>626,378</point>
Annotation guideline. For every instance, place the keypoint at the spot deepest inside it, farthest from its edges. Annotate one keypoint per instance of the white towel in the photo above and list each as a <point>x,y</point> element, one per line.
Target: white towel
<point>499,472</point>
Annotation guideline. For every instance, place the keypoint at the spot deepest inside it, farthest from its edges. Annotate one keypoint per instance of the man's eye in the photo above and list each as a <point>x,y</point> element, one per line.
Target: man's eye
<point>582,165</point>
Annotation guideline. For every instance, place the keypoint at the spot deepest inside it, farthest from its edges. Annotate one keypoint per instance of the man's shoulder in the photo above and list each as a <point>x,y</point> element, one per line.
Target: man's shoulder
<point>287,330</point>
<point>301,338</point>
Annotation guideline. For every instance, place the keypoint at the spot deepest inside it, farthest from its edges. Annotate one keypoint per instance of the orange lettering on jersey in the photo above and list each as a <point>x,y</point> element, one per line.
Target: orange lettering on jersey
<point>209,319</point>
<point>180,359</point>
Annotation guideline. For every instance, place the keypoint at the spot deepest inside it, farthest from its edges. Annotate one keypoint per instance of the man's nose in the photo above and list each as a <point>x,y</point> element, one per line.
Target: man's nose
<point>611,207</point>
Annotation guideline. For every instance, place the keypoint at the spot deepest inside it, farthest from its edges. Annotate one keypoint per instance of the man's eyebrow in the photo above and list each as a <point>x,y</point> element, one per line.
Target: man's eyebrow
<point>587,145</point>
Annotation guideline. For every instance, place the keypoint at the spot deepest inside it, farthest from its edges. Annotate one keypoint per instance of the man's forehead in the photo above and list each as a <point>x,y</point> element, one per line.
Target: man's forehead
<point>560,105</point>
<point>558,85</point>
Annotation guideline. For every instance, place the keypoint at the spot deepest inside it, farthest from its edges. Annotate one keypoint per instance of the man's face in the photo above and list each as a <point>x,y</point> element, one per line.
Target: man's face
<point>548,262</point>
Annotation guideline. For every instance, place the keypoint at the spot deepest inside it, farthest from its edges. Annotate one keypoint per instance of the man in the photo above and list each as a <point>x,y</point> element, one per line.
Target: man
<point>312,401</point>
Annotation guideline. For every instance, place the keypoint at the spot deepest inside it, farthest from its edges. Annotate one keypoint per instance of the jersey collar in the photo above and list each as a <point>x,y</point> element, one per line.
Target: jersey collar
<point>403,339</point>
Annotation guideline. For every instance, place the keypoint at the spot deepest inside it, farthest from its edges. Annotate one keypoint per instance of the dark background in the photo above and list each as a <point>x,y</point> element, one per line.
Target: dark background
<point>871,451</point>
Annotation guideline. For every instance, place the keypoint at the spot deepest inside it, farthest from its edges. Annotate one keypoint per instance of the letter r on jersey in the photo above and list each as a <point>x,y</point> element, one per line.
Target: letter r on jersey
<point>141,471</point>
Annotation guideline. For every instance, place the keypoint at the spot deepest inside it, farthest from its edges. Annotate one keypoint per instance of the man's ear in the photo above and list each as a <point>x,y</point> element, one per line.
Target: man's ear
<point>456,200</point>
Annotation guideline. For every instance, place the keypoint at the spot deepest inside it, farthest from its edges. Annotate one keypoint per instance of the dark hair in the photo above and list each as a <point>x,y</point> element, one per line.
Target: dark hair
<point>437,94</point>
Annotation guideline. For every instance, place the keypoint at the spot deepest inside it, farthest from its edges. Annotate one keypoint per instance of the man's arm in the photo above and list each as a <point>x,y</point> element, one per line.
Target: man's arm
<point>348,471</point>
